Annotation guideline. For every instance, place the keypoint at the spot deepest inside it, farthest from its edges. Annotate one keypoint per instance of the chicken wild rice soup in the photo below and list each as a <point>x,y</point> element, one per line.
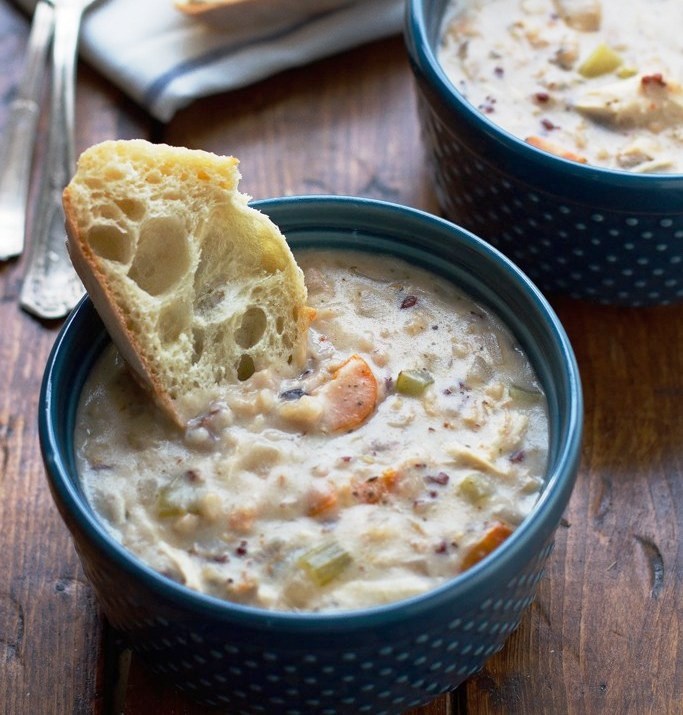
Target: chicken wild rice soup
<point>595,81</point>
<point>413,443</point>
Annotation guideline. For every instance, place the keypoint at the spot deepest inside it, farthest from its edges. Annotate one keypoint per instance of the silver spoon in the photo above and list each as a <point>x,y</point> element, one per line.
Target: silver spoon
<point>51,287</point>
<point>20,132</point>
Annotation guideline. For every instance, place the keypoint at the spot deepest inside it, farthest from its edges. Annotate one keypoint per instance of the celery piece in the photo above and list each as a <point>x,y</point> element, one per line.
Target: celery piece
<point>625,72</point>
<point>168,504</point>
<point>324,562</point>
<point>413,382</point>
<point>474,488</point>
<point>601,61</point>
<point>524,395</point>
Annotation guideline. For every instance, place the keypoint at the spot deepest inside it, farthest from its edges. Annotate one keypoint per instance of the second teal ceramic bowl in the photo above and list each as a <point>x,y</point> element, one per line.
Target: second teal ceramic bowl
<point>378,660</point>
<point>606,236</point>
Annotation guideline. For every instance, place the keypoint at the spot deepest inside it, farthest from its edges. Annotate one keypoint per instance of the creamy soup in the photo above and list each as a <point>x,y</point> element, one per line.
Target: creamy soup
<point>596,81</point>
<point>413,443</point>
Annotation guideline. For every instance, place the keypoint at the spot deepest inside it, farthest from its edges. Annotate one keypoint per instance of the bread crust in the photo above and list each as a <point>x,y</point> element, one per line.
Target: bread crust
<point>192,283</point>
<point>250,14</point>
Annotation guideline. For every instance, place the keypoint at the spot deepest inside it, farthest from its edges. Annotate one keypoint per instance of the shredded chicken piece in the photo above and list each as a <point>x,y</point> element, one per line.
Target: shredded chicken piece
<point>648,101</point>
<point>583,15</point>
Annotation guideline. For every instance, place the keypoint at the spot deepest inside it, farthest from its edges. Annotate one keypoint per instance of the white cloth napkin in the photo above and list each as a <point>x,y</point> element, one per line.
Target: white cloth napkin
<point>164,59</point>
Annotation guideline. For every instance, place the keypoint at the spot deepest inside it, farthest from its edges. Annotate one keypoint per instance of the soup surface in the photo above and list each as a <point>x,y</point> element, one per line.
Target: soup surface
<point>596,81</point>
<point>413,443</point>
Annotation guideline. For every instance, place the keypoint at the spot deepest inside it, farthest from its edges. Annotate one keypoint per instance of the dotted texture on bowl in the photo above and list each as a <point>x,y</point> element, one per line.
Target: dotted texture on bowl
<point>607,256</point>
<point>373,670</point>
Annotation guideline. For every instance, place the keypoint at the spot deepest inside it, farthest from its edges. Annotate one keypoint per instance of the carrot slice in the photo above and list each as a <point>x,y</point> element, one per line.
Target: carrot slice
<point>349,397</point>
<point>321,501</point>
<point>552,148</point>
<point>375,489</point>
<point>490,541</point>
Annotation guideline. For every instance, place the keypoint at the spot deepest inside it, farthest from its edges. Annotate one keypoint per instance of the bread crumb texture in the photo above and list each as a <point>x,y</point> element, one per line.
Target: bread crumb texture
<point>203,288</point>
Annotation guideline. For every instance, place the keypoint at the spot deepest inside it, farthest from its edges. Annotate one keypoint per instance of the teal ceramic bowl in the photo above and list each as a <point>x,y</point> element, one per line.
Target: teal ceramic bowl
<point>607,236</point>
<point>378,660</point>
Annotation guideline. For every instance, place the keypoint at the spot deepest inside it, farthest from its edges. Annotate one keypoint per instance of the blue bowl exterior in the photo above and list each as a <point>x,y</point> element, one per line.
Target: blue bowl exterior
<point>606,236</point>
<point>379,660</point>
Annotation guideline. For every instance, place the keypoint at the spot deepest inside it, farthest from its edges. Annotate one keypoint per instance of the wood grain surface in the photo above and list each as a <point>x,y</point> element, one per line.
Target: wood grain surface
<point>604,634</point>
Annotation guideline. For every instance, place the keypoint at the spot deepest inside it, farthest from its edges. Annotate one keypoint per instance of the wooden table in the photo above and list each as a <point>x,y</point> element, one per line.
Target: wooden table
<point>604,634</point>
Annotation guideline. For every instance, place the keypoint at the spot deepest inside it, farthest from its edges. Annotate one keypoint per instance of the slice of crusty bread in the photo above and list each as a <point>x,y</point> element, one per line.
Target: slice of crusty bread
<point>252,14</point>
<point>196,7</point>
<point>196,288</point>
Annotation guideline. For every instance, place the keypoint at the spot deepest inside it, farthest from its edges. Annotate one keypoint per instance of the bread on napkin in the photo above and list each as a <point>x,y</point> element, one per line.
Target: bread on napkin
<point>196,288</point>
<point>254,13</point>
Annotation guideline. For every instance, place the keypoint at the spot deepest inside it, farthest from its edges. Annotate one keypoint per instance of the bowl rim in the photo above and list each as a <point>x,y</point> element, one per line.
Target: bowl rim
<point>423,56</point>
<point>549,506</point>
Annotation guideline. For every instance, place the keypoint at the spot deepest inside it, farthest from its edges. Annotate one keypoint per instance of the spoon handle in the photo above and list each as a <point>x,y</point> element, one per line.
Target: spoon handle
<point>51,287</point>
<point>19,135</point>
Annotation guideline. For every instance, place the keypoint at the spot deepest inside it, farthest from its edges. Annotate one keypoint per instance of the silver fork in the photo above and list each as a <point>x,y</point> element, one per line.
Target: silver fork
<point>51,287</point>
<point>20,133</point>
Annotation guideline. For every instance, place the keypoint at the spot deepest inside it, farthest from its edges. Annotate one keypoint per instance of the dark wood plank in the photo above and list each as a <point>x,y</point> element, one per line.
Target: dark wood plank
<point>617,583</point>
<point>47,611</point>
<point>51,653</point>
<point>345,125</point>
